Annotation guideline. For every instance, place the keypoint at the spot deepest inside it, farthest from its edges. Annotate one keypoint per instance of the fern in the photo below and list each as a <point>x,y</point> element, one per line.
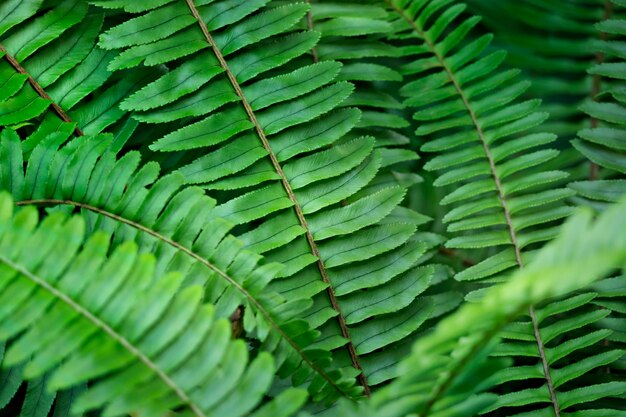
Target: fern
<point>124,343</point>
<point>601,143</point>
<point>503,193</point>
<point>83,326</point>
<point>323,215</point>
<point>351,33</point>
<point>354,34</point>
<point>463,116</point>
<point>77,176</point>
<point>582,261</point>
<point>553,43</point>
<point>256,156</point>
<point>561,72</point>
<point>587,44</point>
<point>166,218</point>
<point>452,361</point>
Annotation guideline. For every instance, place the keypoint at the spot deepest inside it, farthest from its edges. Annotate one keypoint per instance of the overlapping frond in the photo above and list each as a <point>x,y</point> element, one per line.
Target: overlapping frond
<point>449,368</point>
<point>354,34</point>
<point>148,342</point>
<point>576,353</point>
<point>278,155</point>
<point>469,113</point>
<point>603,143</point>
<point>49,59</point>
<point>177,223</point>
<point>257,162</point>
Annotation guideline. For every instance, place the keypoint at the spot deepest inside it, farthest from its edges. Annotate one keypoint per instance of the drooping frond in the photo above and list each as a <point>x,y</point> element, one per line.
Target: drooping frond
<point>278,156</point>
<point>448,369</point>
<point>603,143</point>
<point>78,315</point>
<point>469,113</point>
<point>177,223</point>
<point>49,58</point>
<point>568,264</point>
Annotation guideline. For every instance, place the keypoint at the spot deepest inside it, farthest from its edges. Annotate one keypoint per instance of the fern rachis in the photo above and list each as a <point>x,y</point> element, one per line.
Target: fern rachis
<point>287,186</point>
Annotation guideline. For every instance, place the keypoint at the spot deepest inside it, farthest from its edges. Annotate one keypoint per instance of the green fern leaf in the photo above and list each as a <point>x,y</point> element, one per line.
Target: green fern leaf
<point>601,143</point>
<point>467,121</point>
<point>480,130</point>
<point>74,303</point>
<point>347,33</point>
<point>55,51</point>
<point>164,217</point>
<point>450,368</point>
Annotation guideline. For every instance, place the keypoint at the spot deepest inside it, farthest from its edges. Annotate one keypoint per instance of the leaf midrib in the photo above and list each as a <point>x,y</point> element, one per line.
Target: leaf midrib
<point>39,89</point>
<point>596,86</point>
<point>311,26</point>
<point>287,186</point>
<point>74,305</point>
<point>202,261</point>
<point>501,196</point>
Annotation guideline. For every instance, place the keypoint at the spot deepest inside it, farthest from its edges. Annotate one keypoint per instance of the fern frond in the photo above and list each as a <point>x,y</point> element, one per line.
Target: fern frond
<point>552,42</point>
<point>469,113</point>
<point>581,262</point>
<point>353,34</point>
<point>88,317</point>
<point>602,143</point>
<point>573,350</point>
<point>53,48</point>
<point>300,191</point>
<point>501,192</point>
<point>449,369</point>
<point>611,292</point>
<point>77,176</point>
<point>177,223</point>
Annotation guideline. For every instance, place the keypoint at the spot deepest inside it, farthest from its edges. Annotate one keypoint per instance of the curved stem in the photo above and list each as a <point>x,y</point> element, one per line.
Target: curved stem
<point>501,195</point>
<point>202,261</point>
<point>39,89</point>
<point>74,305</point>
<point>287,186</point>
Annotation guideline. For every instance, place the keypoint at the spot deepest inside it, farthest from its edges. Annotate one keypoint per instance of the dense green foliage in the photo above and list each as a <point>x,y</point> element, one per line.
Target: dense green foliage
<point>279,208</point>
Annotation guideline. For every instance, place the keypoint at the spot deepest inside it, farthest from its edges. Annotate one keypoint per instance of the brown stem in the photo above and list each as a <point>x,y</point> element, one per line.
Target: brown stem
<point>39,89</point>
<point>597,85</point>
<point>498,184</point>
<point>236,322</point>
